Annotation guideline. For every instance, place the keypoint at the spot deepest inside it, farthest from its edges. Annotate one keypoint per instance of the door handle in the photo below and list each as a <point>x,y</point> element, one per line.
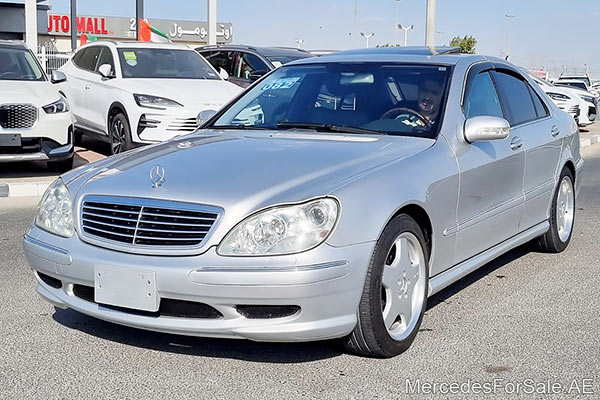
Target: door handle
<point>516,143</point>
<point>555,131</point>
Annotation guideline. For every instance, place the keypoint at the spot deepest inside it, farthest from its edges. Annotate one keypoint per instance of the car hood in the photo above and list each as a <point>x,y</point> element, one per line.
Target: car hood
<point>38,93</point>
<point>244,172</point>
<point>199,93</point>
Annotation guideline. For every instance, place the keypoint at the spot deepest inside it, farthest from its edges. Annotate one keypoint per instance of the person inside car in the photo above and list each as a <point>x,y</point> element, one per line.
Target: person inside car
<point>429,100</point>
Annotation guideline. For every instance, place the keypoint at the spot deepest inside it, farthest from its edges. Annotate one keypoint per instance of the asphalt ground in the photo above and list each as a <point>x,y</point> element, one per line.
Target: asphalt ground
<point>526,320</point>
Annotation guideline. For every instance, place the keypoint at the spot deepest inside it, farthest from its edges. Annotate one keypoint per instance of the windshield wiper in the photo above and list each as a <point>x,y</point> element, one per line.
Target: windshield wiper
<point>240,127</point>
<point>327,128</point>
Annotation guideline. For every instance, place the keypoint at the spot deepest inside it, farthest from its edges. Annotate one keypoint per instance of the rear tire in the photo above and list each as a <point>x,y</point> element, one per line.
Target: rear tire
<point>395,292</point>
<point>562,216</point>
<point>120,134</point>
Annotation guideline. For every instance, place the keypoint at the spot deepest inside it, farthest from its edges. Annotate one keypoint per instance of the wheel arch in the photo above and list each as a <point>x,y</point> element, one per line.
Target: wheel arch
<point>420,215</point>
<point>115,108</point>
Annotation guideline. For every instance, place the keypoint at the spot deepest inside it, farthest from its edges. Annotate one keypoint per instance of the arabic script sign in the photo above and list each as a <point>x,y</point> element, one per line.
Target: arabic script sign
<point>124,28</point>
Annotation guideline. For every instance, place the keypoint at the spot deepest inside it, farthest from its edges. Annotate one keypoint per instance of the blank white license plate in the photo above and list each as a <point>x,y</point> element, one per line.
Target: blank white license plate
<point>125,287</point>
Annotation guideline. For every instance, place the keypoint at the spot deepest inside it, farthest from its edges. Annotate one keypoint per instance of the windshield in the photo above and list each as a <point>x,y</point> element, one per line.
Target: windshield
<point>381,98</point>
<point>278,61</point>
<point>164,63</point>
<point>579,78</point>
<point>579,85</point>
<point>19,65</point>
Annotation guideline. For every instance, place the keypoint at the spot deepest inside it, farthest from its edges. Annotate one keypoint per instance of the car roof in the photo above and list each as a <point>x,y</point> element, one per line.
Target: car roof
<point>265,51</point>
<point>411,54</point>
<point>12,44</point>
<point>144,45</point>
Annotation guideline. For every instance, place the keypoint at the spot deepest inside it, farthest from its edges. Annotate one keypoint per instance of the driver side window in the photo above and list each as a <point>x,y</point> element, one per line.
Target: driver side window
<point>105,58</point>
<point>482,99</point>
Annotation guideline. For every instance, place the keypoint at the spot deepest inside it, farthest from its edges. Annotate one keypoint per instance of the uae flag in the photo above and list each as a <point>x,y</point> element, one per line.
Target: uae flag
<point>149,33</point>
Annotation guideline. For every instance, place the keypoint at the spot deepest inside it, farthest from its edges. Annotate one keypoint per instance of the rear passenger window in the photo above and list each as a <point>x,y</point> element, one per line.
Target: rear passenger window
<point>540,108</point>
<point>516,99</point>
<point>482,98</point>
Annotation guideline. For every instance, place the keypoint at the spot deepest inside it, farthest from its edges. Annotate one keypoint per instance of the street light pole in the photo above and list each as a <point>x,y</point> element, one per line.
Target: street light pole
<point>355,30</point>
<point>396,25</point>
<point>510,18</point>
<point>367,36</point>
<point>405,29</point>
<point>430,24</point>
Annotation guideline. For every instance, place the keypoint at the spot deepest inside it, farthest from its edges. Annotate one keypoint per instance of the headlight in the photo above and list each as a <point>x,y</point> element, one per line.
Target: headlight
<point>558,96</point>
<point>59,106</point>
<point>55,213</point>
<point>282,230</point>
<point>589,99</point>
<point>159,103</point>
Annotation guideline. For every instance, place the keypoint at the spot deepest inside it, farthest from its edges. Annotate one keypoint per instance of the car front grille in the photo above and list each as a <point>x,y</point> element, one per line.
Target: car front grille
<point>183,125</point>
<point>18,116</point>
<point>146,223</point>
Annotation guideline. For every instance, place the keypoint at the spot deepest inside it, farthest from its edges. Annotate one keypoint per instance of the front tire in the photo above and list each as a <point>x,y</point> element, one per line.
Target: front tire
<point>562,216</point>
<point>120,134</point>
<point>395,292</point>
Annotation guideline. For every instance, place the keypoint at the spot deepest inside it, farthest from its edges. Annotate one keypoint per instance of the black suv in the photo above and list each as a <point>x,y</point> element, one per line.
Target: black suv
<point>245,64</point>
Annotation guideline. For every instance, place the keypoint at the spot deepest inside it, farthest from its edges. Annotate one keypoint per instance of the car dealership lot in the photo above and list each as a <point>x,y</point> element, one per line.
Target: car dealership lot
<point>524,316</point>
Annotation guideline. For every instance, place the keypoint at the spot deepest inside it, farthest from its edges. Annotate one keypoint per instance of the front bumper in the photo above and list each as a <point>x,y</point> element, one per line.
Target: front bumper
<point>50,139</point>
<point>325,283</point>
<point>156,126</point>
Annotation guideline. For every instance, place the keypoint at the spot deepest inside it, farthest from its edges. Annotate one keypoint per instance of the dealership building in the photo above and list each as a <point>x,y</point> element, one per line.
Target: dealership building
<point>54,30</point>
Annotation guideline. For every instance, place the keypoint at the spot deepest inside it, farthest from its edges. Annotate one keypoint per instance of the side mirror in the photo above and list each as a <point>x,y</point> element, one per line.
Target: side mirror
<point>486,128</point>
<point>256,75</point>
<point>106,71</point>
<point>224,74</point>
<point>204,116</point>
<point>58,77</point>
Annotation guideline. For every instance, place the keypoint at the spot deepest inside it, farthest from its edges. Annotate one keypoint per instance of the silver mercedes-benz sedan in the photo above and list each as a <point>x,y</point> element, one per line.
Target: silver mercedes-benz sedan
<point>329,200</point>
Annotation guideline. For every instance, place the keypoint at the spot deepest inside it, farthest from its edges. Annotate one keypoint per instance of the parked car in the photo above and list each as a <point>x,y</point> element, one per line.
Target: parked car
<point>588,105</point>
<point>580,85</point>
<point>375,179</point>
<point>245,64</point>
<point>35,119</point>
<point>590,85</point>
<point>131,93</point>
<point>565,100</point>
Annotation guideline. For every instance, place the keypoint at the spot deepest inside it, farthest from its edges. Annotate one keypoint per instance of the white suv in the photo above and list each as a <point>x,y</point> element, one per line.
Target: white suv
<point>128,92</point>
<point>35,121</point>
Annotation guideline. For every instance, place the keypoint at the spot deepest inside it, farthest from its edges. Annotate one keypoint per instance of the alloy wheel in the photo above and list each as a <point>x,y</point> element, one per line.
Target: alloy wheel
<point>117,136</point>
<point>565,208</point>
<point>403,286</point>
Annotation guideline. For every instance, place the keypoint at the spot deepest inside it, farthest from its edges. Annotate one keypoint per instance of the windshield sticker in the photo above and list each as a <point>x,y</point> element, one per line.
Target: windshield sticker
<point>283,83</point>
<point>129,55</point>
<point>130,58</point>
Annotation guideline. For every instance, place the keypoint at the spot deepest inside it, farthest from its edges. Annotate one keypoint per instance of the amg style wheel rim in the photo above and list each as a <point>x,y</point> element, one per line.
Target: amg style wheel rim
<point>403,286</point>
<point>565,208</point>
<point>117,136</point>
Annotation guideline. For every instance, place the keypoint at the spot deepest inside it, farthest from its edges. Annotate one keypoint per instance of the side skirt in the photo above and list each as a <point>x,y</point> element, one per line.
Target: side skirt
<point>461,270</point>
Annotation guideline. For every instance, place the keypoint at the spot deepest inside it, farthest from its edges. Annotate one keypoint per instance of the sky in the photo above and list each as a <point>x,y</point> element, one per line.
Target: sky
<point>545,33</point>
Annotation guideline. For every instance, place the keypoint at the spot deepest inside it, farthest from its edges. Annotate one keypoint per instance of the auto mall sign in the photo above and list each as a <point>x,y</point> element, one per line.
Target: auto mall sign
<point>124,28</point>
